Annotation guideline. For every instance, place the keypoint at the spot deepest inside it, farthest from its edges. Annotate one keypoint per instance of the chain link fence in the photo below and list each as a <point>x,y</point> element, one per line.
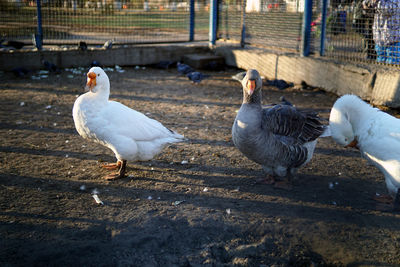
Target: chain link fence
<point>365,31</point>
<point>275,24</point>
<point>95,22</point>
<point>351,32</point>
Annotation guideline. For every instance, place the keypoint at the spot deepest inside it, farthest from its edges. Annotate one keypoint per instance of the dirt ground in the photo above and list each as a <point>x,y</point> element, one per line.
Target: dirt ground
<point>197,203</point>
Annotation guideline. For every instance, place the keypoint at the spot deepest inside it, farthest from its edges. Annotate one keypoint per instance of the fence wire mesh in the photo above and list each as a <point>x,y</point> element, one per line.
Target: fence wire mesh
<point>361,30</point>
<point>95,22</point>
<point>230,20</point>
<point>275,24</point>
<point>201,20</point>
<point>364,30</point>
<point>17,22</point>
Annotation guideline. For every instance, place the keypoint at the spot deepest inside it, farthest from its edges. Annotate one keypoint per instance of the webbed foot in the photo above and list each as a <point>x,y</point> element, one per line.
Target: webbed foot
<point>120,173</point>
<point>112,166</point>
<point>387,203</point>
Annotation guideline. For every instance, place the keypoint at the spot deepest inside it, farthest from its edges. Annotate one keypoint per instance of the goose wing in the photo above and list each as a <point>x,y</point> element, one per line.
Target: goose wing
<point>288,123</point>
<point>122,120</point>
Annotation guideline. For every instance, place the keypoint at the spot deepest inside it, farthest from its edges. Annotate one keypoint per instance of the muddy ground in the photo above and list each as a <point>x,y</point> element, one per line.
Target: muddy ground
<point>197,203</point>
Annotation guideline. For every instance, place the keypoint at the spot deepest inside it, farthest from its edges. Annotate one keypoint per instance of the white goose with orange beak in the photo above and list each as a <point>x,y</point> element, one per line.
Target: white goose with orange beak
<point>354,123</point>
<point>131,135</point>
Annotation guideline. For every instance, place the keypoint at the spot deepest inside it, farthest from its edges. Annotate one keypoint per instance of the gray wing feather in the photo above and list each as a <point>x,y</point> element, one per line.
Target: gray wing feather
<point>291,153</point>
<point>292,128</point>
<point>288,121</point>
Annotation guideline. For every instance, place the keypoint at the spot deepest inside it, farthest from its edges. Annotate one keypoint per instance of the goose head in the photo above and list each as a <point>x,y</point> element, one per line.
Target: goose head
<point>97,81</point>
<point>252,85</point>
<point>341,129</point>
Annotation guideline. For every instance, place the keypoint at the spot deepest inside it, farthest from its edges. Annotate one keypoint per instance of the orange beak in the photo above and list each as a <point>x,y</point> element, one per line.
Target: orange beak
<point>251,85</point>
<point>91,80</point>
<point>353,143</point>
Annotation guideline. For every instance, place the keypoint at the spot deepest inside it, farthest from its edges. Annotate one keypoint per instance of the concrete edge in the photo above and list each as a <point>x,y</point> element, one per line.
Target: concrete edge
<point>379,86</point>
<point>123,56</point>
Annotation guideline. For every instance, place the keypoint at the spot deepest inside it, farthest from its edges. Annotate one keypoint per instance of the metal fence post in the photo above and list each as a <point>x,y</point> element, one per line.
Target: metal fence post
<point>306,28</point>
<point>323,27</point>
<point>39,35</point>
<point>243,33</point>
<point>213,21</point>
<point>192,14</point>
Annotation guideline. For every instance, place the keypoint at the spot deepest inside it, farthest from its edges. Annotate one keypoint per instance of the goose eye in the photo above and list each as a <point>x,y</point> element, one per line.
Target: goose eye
<point>98,74</point>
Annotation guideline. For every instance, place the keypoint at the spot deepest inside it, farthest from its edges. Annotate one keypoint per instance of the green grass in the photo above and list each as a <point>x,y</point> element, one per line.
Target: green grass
<point>62,20</point>
<point>148,20</point>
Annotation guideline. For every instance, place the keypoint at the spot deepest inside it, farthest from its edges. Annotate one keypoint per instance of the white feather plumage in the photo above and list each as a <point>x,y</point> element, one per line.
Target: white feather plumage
<point>377,134</point>
<point>130,134</point>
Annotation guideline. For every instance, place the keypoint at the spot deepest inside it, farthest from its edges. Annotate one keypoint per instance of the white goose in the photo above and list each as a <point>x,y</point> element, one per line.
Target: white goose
<point>128,133</point>
<point>354,123</point>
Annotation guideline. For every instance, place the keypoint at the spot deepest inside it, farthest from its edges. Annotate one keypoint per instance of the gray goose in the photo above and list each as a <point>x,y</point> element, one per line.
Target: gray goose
<point>279,137</point>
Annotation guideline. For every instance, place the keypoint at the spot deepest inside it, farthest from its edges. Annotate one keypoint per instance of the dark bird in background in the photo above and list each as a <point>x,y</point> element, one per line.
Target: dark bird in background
<point>108,44</point>
<point>284,101</point>
<point>164,64</point>
<point>82,46</point>
<point>239,76</point>
<point>280,84</point>
<point>12,44</point>
<point>20,71</point>
<point>51,67</point>
<point>95,64</point>
<point>183,68</point>
<point>196,77</point>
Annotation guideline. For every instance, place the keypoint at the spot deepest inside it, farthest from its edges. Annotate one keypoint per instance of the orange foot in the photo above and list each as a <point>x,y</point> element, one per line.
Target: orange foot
<point>385,202</point>
<point>120,173</point>
<point>112,166</point>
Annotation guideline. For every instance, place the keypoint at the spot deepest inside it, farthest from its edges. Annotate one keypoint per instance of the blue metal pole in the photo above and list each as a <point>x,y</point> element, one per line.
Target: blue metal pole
<point>39,35</point>
<point>306,29</point>
<point>323,27</point>
<point>192,14</point>
<point>213,21</point>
